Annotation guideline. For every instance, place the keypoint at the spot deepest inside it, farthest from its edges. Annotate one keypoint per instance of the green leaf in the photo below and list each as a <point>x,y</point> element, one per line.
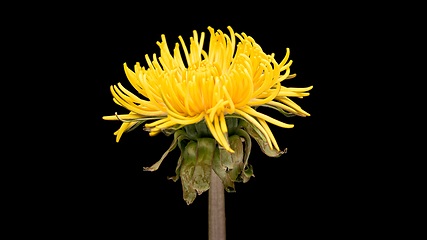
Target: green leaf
<point>134,126</point>
<point>226,160</point>
<point>247,173</point>
<point>237,157</point>
<point>178,136</point>
<point>202,170</point>
<point>220,171</point>
<point>187,171</point>
<point>248,126</point>
<point>256,134</point>
<point>191,131</point>
<point>202,129</point>
<point>182,143</point>
<point>171,130</point>
<point>265,148</point>
<point>248,145</point>
<point>237,146</point>
<point>177,170</point>
<point>232,124</point>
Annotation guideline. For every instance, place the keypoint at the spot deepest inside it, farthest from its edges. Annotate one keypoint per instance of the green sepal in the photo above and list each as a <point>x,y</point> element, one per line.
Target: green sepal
<point>256,134</point>
<point>232,124</point>
<point>202,129</point>
<point>248,126</point>
<point>248,173</point>
<point>178,136</point>
<point>226,160</point>
<point>222,174</point>
<point>187,171</point>
<point>171,130</point>
<point>202,170</point>
<point>134,126</point>
<point>181,144</point>
<point>265,148</point>
<point>248,145</point>
<point>237,157</point>
<point>191,131</point>
<point>177,170</point>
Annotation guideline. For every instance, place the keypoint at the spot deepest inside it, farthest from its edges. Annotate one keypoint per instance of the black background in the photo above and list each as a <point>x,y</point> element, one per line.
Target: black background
<point>309,190</point>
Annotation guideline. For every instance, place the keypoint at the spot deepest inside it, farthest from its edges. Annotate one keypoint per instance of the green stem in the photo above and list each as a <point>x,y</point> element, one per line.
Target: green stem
<point>216,209</point>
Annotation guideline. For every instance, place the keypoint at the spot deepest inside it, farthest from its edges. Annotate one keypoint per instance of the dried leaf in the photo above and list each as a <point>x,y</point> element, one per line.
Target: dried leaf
<point>178,136</point>
<point>181,144</point>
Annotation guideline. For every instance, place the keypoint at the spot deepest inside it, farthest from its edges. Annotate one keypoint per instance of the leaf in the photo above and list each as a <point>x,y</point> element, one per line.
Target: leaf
<point>264,146</point>
<point>181,144</point>
<point>248,146</point>
<point>247,173</point>
<point>187,171</point>
<point>237,157</point>
<point>202,170</point>
<point>202,129</point>
<point>191,131</point>
<point>226,161</point>
<point>220,171</point>
<point>177,170</point>
<point>232,124</point>
<point>134,126</point>
<point>171,130</point>
<point>256,134</point>
<point>247,125</point>
<point>178,134</point>
<point>237,146</point>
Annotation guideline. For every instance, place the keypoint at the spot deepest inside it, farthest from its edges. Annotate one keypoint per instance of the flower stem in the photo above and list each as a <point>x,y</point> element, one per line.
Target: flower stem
<point>216,209</point>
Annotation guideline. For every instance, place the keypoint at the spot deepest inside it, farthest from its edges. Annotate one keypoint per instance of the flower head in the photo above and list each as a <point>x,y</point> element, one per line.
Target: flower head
<point>208,100</point>
<point>227,80</point>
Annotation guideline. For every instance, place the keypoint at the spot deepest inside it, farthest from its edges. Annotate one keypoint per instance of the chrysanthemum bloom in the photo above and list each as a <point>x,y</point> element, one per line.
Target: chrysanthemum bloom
<point>209,102</point>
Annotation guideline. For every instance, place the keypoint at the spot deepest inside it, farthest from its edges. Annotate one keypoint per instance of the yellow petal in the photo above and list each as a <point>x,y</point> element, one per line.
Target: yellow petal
<point>266,118</point>
<point>121,130</point>
<point>256,123</point>
<point>220,134</point>
<point>155,123</point>
<point>290,103</point>
<point>223,123</point>
<point>188,120</point>
<point>270,134</point>
<point>123,116</point>
<point>299,89</point>
<point>212,129</point>
<point>267,99</point>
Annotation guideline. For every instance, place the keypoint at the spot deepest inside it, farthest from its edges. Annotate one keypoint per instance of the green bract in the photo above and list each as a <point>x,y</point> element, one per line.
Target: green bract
<point>200,153</point>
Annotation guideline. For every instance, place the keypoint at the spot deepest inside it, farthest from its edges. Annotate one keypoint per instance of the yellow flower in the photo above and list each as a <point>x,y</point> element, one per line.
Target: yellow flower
<point>228,79</point>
